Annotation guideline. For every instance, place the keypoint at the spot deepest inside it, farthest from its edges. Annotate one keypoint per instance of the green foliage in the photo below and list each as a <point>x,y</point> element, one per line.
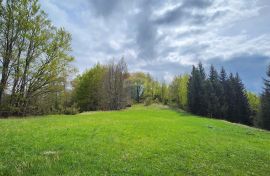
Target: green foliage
<point>213,93</point>
<point>183,91</point>
<point>87,91</point>
<point>196,91</point>
<point>138,83</point>
<point>72,110</point>
<point>238,106</point>
<point>263,120</point>
<point>224,94</point>
<point>35,56</point>
<point>174,91</point>
<point>102,87</point>
<point>164,94</point>
<point>148,101</point>
<point>152,140</point>
<point>178,91</point>
<point>8,110</point>
<point>254,102</point>
<point>218,96</point>
<point>143,87</point>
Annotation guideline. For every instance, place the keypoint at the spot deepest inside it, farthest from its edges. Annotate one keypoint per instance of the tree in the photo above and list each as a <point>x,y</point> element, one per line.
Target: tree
<point>149,87</point>
<point>114,90</point>
<point>103,87</point>
<point>114,85</point>
<point>238,110</point>
<point>213,90</point>
<point>196,91</point>
<point>218,96</point>
<point>88,89</point>
<point>178,91</point>
<point>34,56</point>
<point>174,90</point>
<point>164,93</point>
<point>139,84</point>
<point>254,102</point>
<point>183,91</point>
<point>224,94</point>
<point>264,112</point>
<point>212,100</point>
<point>10,29</point>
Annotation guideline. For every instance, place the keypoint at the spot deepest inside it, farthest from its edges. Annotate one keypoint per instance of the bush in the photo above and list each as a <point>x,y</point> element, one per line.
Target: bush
<point>156,101</point>
<point>8,110</point>
<point>148,101</point>
<point>72,110</point>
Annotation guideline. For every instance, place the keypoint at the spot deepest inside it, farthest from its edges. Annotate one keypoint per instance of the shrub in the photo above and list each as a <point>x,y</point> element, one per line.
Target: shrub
<point>72,110</point>
<point>148,101</point>
<point>8,110</point>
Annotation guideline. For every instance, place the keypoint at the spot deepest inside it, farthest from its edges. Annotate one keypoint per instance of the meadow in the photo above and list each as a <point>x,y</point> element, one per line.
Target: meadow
<point>152,140</point>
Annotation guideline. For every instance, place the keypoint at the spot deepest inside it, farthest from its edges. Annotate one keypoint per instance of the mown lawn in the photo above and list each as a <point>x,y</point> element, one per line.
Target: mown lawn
<point>137,141</point>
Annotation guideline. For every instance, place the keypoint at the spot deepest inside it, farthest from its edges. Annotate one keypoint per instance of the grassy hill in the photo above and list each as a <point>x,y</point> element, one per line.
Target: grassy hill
<point>138,141</point>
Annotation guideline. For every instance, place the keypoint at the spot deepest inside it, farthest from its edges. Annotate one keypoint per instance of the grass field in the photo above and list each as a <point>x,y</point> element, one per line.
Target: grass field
<point>138,141</point>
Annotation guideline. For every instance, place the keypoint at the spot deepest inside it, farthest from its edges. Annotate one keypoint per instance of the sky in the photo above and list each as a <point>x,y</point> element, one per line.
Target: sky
<point>166,37</point>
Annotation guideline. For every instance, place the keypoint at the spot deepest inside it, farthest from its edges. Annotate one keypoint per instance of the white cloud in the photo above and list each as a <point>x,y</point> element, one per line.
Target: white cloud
<point>174,33</point>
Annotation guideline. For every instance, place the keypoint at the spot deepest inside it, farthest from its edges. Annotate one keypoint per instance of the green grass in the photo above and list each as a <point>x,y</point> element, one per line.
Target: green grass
<point>138,141</point>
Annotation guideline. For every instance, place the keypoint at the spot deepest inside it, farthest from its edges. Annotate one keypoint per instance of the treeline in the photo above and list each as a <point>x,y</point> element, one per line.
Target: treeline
<point>35,68</point>
<point>103,87</point>
<point>34,60</point>
<point>112,87</point>
<point>222,96</point>
<point>218,95</point>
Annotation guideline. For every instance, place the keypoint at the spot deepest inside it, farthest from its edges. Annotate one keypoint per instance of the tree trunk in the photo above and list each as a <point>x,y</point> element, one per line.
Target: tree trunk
<point>4,79</point>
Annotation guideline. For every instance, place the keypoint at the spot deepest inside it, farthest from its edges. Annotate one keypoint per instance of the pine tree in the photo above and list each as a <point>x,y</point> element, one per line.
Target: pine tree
<point>238,106</point>
<point>202,90</point>
<point>231,99</point>
<point>192,94</point>
<point>213,92</point>
<point>243,110</point>
<point>196,91</point>
<point>224,93</point>
<point>201,71</point>
<point>264,114</point>
<point>212,99</point>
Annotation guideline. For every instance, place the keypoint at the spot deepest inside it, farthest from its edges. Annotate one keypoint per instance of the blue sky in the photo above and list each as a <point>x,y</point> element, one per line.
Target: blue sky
<point>166,37</point>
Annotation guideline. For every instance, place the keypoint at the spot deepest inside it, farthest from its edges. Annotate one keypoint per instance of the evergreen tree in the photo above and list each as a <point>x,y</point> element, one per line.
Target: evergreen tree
<point>243,108</point>
<point>211,99</point>
<point>231,98</point>
<point>192,93</point>
<point>218,96</point>
<point>238,106</point>
<point>224,93</point>
<point>201,71</point>
<point>196,91</point>
<point>264,114</point>
<point>202,90</point>
<point>213,90</point>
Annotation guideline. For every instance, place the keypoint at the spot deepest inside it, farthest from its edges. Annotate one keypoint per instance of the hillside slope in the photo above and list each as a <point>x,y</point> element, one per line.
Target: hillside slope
<point>138,141</point>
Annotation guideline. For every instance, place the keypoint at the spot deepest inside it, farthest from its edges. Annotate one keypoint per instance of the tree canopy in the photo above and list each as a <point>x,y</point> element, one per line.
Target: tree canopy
<point>34,56</point>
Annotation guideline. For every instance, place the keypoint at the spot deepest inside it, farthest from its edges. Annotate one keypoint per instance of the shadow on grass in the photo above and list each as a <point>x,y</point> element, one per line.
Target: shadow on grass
<point>181,111</point>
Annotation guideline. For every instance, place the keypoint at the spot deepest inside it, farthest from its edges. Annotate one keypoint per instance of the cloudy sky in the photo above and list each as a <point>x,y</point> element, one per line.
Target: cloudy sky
<point>166,37</point>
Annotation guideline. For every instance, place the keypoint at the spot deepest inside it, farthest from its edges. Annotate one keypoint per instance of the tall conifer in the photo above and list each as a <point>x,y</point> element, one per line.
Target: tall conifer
<point>264,114</point>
